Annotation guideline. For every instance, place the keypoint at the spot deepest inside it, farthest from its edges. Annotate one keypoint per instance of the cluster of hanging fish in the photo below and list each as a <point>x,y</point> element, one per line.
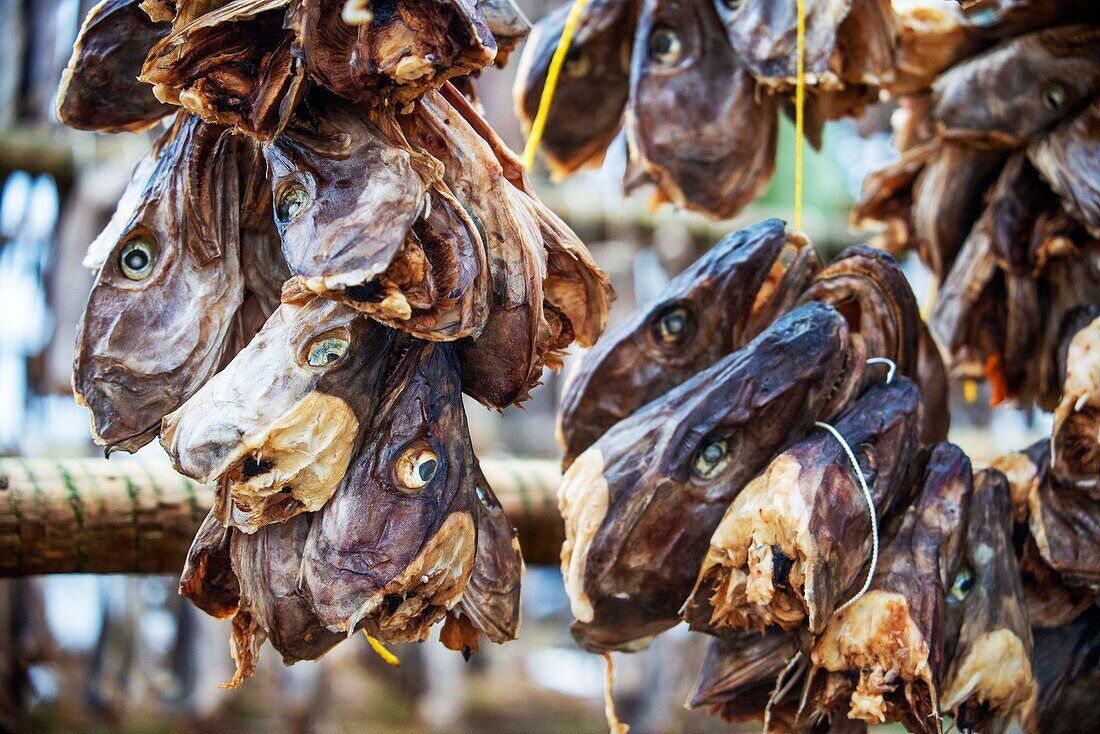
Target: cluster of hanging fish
<point>998,183</point>
<point>699,86</point>
<point>761,454</point>
<point>324,248</point>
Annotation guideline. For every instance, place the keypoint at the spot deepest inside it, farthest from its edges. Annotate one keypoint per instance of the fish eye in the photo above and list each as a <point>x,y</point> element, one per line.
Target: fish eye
<point>712,457</point>
<point>486,497</point>
<point>732,4</point>
<point>577,63</point>
<point>327,349</point>
<point>137,258</point>
<point>984,17</point>
<point>417,466</point>
<point>290,202</point>
<point>960,589</point>
<point>1054,96</point>
<point>665,46</point>
<point>672,326</point>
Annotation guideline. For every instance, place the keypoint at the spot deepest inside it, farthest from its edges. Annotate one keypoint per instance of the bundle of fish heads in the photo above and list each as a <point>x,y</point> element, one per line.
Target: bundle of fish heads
<point>698,86</point>
<point>325,246</point>
<point>998,182</point>
<point>761,453</point>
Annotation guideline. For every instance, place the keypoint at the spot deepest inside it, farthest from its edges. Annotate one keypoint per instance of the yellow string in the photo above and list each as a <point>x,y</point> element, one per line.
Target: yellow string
<point>799,112</point>
<point>383,653</point>
<point>556,64</point>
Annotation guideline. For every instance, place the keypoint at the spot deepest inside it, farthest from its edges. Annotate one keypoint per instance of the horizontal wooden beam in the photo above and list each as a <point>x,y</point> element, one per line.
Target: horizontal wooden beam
<point>136,516</point>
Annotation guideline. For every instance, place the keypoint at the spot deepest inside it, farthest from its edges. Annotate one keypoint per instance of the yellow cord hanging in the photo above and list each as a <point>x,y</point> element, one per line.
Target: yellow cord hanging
<point>799,111</point>
<point>383,653</point>
<point>556,64</point>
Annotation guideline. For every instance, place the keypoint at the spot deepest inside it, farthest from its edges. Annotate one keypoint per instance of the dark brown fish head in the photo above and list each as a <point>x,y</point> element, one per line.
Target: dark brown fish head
<point>491,598</point>
<point>682,333</point>
<point>737,666</point>
<point>208,578</point>
<point>157,320</point>
<point>1020,87</point>
<point>640,503</point>
<point>594,81</point>
<point>99,88</point>
<point>393,550</point>
<point>694,117</point>
<point>280,424</point>
<point>345,196</point>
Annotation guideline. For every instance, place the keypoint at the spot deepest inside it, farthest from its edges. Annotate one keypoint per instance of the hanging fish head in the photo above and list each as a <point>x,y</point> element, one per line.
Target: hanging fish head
<point>640,503</point>
<point>393,550</point>
<point>715,306</point>
<point>279,425</point>
<point>168,286</point>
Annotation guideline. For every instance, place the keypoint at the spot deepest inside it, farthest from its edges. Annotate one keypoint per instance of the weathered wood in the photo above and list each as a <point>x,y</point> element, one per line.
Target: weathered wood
<point>134,516</point>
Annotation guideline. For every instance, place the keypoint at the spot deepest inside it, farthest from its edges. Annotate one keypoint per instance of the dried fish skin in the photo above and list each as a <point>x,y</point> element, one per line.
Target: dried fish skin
<point>780,555</point>
<point>1063,521</point>
<point>99,88</point>
<point>1024,470</point>
<point>491,597</point>
<point>508,25</point>
<point>404,48</point>
<point>988,681</point>
<point>681,333</point>
<point>501,364</point>
<point>998,19</point>
<point>1067,159</point>
<point>1067,669</point>
<point>892,636</point>
<point>947,200</point>
<point>640,503</point>
<point>595,79</point>
<point>694,119</point>
<point>335,236</point>
<point>739,672</point>
<point>1075,439</point>
<point>933,35</point>
<point>868,288</point>
<point>268,563</point>
<point>763,33</point>
<point>887,198</point>
<point>159,316</point>
<point>208,579</point>
<point>280,447</point>
<point>394,548</point>
<point>1014,204</point>
<point>1020,87</point>
<point>866,42</point>
<point>233,66</point>
<point>1072,283</point>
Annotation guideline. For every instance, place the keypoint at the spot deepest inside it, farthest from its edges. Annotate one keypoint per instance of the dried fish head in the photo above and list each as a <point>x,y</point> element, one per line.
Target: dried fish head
<point>1067,159</point>
<point>752,273</point>
<point>695,119</point>
<point>280,424</point>
<point>233,65</point>
<point>393,550</point>
<point>208,578</point>
<point>595,80</point>
<point>99,88</point>
<point>159,316</point>
<point>1021,87</point>
<point>783,555</point>
<point>988,681</point>
<point>739,673</point>
<point>272,604</point>
<point>1075,440</point>
<point>868,288</point>
<point>1067,669</point>
<point>397,49</point>
<point>640,503</point>
<point>892,636</point>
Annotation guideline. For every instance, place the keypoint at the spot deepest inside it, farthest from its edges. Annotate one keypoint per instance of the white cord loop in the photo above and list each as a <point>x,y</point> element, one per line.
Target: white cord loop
<point>870,507</point>
<point>887,361</point>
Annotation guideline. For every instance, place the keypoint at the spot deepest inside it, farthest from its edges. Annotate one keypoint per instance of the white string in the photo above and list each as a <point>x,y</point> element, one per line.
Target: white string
<point>779,692</point>
<point>870,507</point>
<point>887,361</point>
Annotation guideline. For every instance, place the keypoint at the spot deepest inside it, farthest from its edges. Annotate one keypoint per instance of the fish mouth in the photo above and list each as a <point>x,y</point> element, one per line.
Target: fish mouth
<point>107,430</point>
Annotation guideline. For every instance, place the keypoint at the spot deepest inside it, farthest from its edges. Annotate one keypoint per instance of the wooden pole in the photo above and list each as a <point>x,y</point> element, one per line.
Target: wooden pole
<point>135,516</point>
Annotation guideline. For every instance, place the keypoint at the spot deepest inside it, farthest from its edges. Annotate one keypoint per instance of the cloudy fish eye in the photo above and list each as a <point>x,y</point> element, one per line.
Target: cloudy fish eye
<point>291,202</point>
<point>665,46</point>
<point>712,456</point>
<point>137,258</point>
<point>416,467</point>
<point>732,4</point>
<point>577,63</point>
<point>1054,96</point>
<point>326,349</point>
<point>960,589</point>
<point>672,326</point>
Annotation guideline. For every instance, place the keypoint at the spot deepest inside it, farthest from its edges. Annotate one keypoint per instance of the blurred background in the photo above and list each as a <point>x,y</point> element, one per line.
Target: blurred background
<point>125,653</point>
